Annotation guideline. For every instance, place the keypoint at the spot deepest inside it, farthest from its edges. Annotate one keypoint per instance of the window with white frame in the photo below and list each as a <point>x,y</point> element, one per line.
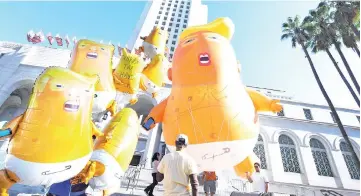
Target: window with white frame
<point>352,166</point>
<point>289,154</point>
<point>320,158</point>
<point>260,152</point>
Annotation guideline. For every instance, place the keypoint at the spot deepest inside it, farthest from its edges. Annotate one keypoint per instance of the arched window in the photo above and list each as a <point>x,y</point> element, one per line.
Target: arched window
<point>320,157</point>
<point>353,168</point>
<point>260,152</point>
<point>289,154</point>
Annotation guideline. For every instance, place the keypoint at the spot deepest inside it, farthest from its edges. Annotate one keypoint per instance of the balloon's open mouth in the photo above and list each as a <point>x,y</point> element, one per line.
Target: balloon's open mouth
<point>91,55</point>
<point>204,59</point>
<point>71,106</point>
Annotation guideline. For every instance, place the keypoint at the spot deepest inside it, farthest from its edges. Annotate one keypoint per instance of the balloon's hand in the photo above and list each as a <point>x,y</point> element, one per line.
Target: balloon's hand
<point>275,106</point>
<point>5,132</point>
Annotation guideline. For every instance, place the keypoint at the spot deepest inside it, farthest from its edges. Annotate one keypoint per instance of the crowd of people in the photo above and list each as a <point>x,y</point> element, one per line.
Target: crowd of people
<point>179,172</point>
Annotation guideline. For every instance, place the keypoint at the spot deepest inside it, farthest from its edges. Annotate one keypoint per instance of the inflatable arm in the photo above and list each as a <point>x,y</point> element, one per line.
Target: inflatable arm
<point>10,127</point>
<point>155,115</point>
<point>262,103</point>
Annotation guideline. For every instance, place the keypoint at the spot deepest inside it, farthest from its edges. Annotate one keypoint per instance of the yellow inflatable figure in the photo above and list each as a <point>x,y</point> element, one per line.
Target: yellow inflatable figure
<point>52,141</point>
<point>208,101</point>
<point>113,153</point>
<point>154,75</point>
<point>154,43</point>
<point>92,58</point>
<point>127,77</point>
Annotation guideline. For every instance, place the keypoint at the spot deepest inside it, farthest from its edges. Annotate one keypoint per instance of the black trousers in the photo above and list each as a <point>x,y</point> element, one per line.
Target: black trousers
<point>150,188</point>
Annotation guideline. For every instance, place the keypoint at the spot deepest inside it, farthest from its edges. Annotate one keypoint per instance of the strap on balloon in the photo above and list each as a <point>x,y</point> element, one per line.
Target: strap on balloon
<point>5,132</point>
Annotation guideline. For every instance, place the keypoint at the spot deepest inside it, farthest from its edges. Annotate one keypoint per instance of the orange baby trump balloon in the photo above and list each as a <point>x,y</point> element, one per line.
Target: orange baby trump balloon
<point>208,101</point>
<point>52,141</point>
<point>92,58</point>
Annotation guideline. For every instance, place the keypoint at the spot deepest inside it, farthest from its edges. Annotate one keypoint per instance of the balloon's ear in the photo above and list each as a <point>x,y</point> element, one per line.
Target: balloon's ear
<point>170,74</point>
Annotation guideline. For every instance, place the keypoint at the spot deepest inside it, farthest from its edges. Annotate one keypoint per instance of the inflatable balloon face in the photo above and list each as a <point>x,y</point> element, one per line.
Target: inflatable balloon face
<point>127,77</point>
<point>52,140</point>
<point>154,75</point>
<point>208,101</point>
<point>155,42</point>
<point>113,153</point>
<point>92,58</point>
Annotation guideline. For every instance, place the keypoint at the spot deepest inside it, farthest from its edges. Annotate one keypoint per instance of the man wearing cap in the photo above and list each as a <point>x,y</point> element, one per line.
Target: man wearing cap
<point>179,170</point>
<point>258,179</point>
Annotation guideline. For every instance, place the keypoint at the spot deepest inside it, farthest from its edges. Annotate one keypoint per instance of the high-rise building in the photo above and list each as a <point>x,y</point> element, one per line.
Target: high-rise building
<point>170,15</point>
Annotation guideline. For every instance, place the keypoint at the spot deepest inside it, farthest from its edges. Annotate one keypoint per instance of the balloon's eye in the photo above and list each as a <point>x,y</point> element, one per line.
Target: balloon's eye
<point>189,41</point>
<point>102,48</point>
<point>213,37</point>
<point>95,95</point>
<point>59,85</point>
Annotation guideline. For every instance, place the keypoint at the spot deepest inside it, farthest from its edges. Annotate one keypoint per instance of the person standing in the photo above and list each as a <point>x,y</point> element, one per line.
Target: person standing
<point>209,179</point>
<point>155,163</point>
<point>258,179</point>
<point>179,170</point>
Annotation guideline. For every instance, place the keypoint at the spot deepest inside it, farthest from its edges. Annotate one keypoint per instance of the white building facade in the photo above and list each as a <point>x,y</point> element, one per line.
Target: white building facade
<point>170,15</point>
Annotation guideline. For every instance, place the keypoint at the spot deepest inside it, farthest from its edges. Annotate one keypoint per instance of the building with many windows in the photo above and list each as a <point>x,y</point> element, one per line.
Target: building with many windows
<point>170,15</point>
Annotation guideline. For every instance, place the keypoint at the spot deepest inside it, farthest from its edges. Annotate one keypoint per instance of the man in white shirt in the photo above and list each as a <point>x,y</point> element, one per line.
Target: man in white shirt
<point>258,179</point>
<point>179,170</point>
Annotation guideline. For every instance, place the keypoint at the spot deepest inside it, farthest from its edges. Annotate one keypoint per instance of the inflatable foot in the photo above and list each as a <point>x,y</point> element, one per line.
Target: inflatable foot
<point>7,179</point>
<point>247,165</point>
<point>88,172</point>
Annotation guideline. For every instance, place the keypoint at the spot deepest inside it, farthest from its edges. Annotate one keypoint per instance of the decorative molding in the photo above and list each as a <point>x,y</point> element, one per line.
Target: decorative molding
<point>289,133</point>
<point>320,137</point>
<point>338,140</point>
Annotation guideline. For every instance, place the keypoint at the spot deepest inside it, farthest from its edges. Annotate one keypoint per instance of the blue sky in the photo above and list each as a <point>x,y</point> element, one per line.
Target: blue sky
<point>266,61</point>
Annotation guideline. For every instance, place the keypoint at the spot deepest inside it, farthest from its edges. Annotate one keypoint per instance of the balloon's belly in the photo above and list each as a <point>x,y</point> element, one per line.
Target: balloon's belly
<point>219,155</point>
<point>44,174</point>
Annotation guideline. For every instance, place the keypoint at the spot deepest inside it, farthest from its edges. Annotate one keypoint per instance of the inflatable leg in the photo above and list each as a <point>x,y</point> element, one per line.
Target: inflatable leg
<point>105,193</point>
<point>7,179</point>
<point>247,165</point>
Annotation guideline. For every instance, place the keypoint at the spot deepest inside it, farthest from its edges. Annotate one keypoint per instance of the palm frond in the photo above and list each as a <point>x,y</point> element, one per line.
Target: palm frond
<point>294,42</point>
<point>286,36</point>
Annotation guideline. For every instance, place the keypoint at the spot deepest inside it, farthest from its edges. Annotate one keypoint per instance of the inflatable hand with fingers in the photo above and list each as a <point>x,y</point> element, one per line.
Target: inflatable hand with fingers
<point>154,43</point>
<point>92,58</point>
<point>127,77</point>
<point>208,101</point>
<point>52,141</point>
<point>154,75</point>
<point>113,152</point>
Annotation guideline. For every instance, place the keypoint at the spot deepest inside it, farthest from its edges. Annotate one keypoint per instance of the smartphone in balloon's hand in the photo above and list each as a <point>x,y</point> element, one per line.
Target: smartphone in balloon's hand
<point>147,124</point>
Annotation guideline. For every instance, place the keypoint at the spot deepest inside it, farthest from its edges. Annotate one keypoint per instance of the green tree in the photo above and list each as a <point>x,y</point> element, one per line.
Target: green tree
<point>320,42</point>
<point>321,18</point>
<point>296,31</point>
<point>348,13</point>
